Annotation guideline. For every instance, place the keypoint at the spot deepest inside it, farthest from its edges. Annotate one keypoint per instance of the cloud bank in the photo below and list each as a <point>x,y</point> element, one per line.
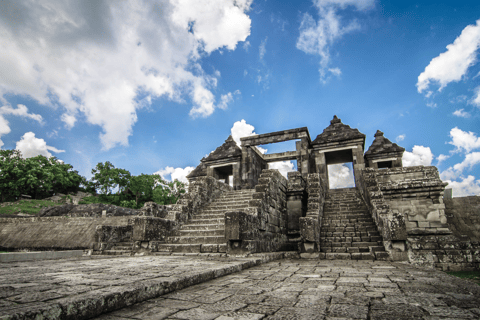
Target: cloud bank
<point>105,60</point>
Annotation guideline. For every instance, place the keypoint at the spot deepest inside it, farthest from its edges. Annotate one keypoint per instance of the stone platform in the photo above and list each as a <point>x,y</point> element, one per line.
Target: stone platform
<point>218,287</point>
<point>81,288</point>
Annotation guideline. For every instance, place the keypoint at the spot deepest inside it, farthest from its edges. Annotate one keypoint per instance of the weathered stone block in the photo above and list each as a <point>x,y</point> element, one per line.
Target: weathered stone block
<point>151,228</point>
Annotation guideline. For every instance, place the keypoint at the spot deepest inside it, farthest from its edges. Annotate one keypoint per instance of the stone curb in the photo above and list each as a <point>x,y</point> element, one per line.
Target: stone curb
<point>40,255</point>
<point>97,302</point>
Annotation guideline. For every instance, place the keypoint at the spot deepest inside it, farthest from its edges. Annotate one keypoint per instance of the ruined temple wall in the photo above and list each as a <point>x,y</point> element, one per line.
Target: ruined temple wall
<point>417,194</point>
<point>52,233</point>
<point>463,216</point>
<point>252,166</point>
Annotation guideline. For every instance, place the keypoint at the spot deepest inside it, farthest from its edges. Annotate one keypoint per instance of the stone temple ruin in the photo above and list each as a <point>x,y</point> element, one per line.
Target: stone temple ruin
<point>393,213</point>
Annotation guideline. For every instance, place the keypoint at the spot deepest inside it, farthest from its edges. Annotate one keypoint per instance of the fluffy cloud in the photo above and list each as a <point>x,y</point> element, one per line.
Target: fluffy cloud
<point>464,141</point>
<point>283,166</point>
<point>30,146</point>
<point>470,160</point>
<point>170,173</point>
<point>461,113</point>
<point>453,64</point>
<point>466,187</point>
<point>316,37</point>
<point>420,156</point>
<point>476,98</point>
<point>241,129</point>
<point>400,138</point>
<point>96,57</point>
<point>340,176</point>
<point>442,158</point>
<point>20,111</point>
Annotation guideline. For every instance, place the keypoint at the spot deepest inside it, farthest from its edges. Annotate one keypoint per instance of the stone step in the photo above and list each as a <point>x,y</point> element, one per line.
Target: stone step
<point>217,210</point>
<point>196,240</point>
<point>114,252</point>
<point>201,233</point>
<point>206,221</point>
<point>216,207</point>
<point>352,244</point>
<point>202,227</point>
<point>116,247</point>
<point>228,201</point>
<point>210,215</point>
<point>190,248</point>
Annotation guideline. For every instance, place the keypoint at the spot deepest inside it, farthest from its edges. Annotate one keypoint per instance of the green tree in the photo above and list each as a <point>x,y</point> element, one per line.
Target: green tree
<point>106,177</point>
<point>168,192</point>
<point>11,163</point>
<point>142,186</point>
<point>37,176</point>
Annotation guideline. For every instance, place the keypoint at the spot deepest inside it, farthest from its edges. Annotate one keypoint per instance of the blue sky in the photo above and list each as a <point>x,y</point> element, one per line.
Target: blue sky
<point>153,86</point>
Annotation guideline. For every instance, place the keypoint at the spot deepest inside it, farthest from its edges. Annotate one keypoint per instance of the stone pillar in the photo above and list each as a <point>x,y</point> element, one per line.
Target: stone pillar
<point>237,176</point>
<point>358,162</point>
<point>321,165</point>
<point>303,159</point>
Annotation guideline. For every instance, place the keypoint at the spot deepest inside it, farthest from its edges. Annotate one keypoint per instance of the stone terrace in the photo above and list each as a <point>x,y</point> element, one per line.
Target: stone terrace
<point>218,287</point>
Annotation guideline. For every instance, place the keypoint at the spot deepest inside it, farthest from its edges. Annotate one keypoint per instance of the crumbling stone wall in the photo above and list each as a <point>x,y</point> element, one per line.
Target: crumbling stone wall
<point>463,217</point>
<point>252,167</point>
<point>311,223</point>
<point>263,228</point>
<point>155,223</point>
<point>390,224</point>
<point>52,233</point>
<point>296,203</point>
<point>415,194</point>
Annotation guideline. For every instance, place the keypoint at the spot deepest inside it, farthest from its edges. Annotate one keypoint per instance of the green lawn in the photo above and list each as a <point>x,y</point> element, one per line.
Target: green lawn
<point>27,206</point>
<point>470,275</point>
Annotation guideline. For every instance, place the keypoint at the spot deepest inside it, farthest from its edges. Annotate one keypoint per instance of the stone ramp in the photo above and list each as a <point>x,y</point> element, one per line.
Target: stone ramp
<point>348,230</point>
<point>205,232</point>
<point>82,288</point>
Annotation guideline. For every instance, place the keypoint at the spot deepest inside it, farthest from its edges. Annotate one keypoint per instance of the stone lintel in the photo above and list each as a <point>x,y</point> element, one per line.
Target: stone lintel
<point>281,156</point>
<point>224,164</point>
<point>329,146</point>
<point>384,159</point>
<point>337,149</point>
<point>278,136</point>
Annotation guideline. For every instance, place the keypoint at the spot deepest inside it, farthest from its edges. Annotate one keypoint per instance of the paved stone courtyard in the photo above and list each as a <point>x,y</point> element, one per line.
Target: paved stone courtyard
<point>231,288</point>
<point>313,289</point>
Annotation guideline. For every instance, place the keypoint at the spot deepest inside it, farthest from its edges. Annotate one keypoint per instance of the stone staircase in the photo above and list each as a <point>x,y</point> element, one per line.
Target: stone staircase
<point>205,232</point>
<point>348,230</point>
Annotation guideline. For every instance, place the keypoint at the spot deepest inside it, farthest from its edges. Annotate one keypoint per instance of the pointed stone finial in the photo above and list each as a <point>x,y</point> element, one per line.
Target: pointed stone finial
<point>230,138</point>
<point>335,120</point>
<point>378,134</point>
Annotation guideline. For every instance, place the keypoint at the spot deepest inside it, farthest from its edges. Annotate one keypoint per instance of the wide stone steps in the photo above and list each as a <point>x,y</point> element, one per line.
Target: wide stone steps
<point>205,232</point>
<point>348,231</point>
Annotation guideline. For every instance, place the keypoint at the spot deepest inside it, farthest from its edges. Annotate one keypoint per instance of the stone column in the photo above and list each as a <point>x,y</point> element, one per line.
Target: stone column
<point>321,166</point>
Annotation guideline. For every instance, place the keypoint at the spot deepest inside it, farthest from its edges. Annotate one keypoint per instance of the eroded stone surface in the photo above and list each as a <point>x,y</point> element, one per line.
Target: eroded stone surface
<point>316,289</point>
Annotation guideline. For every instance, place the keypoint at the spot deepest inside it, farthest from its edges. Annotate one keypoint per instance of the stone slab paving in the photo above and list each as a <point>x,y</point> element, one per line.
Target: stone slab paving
<point>318,289</point>
<point>81,288</point>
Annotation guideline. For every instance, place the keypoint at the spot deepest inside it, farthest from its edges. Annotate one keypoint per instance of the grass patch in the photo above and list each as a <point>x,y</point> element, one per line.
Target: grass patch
<point>473,276</point>
<point>27,206</point>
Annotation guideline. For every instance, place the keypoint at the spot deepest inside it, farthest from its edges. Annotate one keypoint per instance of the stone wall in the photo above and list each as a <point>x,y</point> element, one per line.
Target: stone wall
<point>391,225</point>
<point>463,217</point>
<point>264,227</point>
<point>252,166</point>
<point>157,222</point>
<point>310,224</point>
<point>52,233</point>
<point>415,195</point>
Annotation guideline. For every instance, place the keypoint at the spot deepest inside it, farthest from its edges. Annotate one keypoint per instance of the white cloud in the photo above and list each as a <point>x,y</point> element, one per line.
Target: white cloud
<point>463,140</point>
<point>431,104</point>
<point>20,111</point>
<point>470,160</point>
<point>283,167</point>
<point>246,45</point>
<point>76,54</point>
<point>335,71</point>
<point>340,176</point>
<point>241,129</point>
<point>453,64</point>
<point>30,146</point>
<point>476,98</point>
<point>316,37</point>
<point>420,156</point>
<point>400,138</point>
<point>461,113</point>
<point>442,158</point>
<point>262,49</point>
<point>170,173</point>
<point>466,187</point>
<point>225,100</point>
